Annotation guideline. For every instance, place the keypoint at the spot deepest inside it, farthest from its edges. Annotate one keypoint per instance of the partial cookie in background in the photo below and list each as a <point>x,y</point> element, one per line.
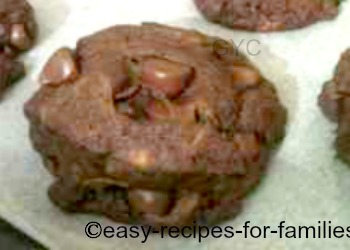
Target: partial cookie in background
<point>149,124</point>
<point>18,31</point>
<point>335,103</point>
<point>268,15</point>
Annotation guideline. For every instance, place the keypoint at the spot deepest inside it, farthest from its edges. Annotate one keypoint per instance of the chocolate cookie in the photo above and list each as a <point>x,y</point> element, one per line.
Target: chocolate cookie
<point>335,103</point>
<point>18,30</point>
<point>148,124</point>
<point>267,15</point>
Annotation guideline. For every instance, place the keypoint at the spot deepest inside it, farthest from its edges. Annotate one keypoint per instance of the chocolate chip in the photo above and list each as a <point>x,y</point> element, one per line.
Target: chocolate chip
<point>148,202</point>
<point>165,77</point>
<point>245,77</point>
<point>19,37</point>
<point>60,68</point>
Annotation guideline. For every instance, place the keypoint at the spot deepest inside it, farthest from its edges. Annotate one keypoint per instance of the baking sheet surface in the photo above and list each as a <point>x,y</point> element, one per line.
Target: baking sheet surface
<point>305,183</point>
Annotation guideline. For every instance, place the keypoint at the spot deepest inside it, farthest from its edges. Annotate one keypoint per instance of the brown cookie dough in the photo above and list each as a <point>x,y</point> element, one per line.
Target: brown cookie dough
<point>267,15</point>
<point>10,71</point>
<point>148,124</point>
<point>335,103</point>
<point>18,31</point>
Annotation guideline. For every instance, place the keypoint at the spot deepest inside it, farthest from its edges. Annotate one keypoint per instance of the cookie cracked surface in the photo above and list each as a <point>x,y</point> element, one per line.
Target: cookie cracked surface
<point>147,124</point>
<point>268,15</point>
<point>18,31</point>
<point>335,104</point>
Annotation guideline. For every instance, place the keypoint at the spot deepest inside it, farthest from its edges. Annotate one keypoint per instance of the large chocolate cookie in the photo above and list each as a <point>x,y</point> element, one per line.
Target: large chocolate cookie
<point>18,30</point>
<point>267,15</point>
<point>148,124</point>
<point>335,103</point>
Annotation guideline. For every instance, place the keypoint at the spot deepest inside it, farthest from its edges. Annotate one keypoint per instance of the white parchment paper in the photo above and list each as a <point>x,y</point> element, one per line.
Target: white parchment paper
<point>305,183</point>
